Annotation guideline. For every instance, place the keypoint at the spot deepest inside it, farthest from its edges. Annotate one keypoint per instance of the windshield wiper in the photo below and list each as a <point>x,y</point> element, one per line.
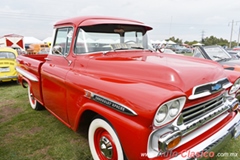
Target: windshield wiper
<point>105,52</point>
<point>221,58</point>
<point>122,48</point>
<point>144,49</point>
<point>137,47</point>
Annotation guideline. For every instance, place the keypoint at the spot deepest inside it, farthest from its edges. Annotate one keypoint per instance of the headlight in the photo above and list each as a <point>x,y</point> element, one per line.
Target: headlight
<point>174,108</point>
<point>235,87</point>
<point>162,114</point>
<point>168,111</point>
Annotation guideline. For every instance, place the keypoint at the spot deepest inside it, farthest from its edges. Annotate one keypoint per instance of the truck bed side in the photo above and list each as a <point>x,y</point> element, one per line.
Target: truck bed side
<point>29,67</point>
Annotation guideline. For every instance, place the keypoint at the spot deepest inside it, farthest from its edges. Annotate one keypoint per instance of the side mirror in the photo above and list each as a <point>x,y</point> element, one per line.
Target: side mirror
<point>57,50</point>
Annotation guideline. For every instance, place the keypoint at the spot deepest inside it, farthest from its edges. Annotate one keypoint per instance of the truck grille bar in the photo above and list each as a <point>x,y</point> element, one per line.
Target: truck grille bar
<point>198,111</point>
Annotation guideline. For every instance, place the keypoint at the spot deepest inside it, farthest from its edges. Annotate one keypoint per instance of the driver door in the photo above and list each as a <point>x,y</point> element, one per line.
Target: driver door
<point>54,72</point>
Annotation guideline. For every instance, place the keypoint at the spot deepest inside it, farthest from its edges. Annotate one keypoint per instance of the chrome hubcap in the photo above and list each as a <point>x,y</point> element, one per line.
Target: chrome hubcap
<point>31,96</point>
<point>106,147</point>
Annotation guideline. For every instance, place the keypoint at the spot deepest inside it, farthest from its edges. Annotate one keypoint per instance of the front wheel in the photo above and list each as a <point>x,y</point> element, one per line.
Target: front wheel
<point>33,102</point>
<point>103,141</point>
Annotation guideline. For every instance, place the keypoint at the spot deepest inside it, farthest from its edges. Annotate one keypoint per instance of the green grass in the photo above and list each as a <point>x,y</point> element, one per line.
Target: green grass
<point>26,134</point>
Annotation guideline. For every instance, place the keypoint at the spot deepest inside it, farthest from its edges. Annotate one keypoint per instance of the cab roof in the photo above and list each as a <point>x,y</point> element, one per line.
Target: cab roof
<point>96,20</point>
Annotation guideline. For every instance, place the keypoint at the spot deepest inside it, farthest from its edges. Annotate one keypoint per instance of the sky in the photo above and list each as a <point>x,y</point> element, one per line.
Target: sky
<point>186,20</point>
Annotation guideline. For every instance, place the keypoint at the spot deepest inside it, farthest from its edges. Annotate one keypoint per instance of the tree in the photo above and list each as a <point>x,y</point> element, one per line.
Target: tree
<point>212,40</point>
<point>215,41</point>
<point>178,41</point>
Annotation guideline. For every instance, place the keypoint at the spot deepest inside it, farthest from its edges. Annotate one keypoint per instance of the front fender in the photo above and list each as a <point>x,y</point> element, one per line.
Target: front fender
<point>126,127</point>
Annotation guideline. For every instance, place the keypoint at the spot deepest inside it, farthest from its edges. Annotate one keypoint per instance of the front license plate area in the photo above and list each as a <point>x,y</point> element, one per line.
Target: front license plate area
<point>4,69</point>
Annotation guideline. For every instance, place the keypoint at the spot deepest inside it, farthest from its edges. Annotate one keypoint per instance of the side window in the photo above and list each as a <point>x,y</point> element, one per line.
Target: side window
<point>133,37</point>
<point>64,39</point>
<point>80,45</point>
<point>197,53</point>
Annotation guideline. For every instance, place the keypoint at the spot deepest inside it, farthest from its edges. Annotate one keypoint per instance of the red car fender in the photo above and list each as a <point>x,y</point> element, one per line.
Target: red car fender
<point>232,75</point>
<point>126,127</point>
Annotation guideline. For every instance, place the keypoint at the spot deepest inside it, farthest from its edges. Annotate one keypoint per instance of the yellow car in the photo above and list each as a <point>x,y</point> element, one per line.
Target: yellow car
<point>8,64</point>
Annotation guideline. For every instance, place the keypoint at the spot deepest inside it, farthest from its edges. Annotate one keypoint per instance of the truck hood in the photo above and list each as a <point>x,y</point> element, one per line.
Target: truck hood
<point>163,70</point>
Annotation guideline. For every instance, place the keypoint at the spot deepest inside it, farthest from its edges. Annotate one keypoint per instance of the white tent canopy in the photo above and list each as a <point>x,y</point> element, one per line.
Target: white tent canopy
<point>47,40</point>
<point>162,42</point>
<point>198,44</point>
<point>30,40</point>
<point>152,41</point>
<point>157,42</point>
<point>170,42</point>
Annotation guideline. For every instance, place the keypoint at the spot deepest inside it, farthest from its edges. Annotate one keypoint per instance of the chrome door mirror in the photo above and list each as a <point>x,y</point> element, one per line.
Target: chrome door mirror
<point>57,50</point>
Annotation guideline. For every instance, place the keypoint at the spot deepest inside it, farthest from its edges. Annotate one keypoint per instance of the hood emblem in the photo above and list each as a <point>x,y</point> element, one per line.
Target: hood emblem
<point>216,87</point>
<point>209,88</point>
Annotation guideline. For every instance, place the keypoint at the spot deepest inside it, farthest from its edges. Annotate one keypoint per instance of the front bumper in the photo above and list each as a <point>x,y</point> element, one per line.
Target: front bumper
<point>8,78</point>
<point>213,144</point>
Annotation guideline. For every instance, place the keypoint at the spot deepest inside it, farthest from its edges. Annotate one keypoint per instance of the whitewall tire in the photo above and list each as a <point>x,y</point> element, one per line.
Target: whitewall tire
<point>103,141</point>
<point>33,102</point>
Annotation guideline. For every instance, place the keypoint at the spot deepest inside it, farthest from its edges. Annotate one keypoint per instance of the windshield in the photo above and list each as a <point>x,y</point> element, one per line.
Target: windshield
<point>8,55</point>
<point>217,53</point>
<point>110,37</point>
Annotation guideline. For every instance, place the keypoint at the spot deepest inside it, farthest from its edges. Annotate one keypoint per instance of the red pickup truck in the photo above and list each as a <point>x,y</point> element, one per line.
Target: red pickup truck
<point>101,73</point>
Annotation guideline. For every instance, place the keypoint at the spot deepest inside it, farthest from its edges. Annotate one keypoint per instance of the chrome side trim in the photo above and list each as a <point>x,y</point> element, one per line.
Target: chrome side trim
<point>110,103</point>
<point>27,74</point>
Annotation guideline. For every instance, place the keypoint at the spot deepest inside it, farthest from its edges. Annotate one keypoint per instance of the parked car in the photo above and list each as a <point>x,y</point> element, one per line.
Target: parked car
<point>234,53</point>
<point>179,49</point>
<point>218,54</point>
<point>7,64</point>
<point>237,48</point>
<point>169,51</point>
<point>38,48</point>
<point>136,103</point>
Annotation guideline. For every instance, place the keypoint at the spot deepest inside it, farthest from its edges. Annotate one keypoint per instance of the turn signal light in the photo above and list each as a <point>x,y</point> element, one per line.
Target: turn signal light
<point>173,143</point>
<point>235,107</point>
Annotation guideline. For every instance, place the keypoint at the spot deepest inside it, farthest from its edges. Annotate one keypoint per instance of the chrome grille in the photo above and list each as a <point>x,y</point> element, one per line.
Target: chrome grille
<point>212,87</point>
<point>198,111</point>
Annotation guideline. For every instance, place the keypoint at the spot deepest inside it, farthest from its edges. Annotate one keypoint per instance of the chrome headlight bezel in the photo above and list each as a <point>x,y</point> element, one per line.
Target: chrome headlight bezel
<point>170,110</point>
<point>235,87</point>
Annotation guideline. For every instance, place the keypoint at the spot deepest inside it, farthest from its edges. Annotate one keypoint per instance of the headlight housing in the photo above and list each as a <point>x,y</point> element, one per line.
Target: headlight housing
<point>235,87</point>
<point>169,111</point>
<point>161,114</point>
